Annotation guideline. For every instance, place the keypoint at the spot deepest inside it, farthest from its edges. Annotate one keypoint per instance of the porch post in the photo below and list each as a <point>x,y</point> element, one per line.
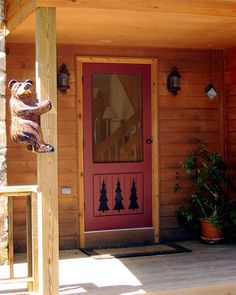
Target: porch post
<point>47,164</point>
<point>3,149</point>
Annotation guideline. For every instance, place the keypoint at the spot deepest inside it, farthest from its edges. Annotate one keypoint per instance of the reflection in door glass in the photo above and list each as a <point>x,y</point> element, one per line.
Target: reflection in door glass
<point>117,118</point>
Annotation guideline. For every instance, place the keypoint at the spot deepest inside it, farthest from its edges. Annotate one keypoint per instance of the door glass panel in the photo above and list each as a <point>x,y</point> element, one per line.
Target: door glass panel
<point>117,118</point>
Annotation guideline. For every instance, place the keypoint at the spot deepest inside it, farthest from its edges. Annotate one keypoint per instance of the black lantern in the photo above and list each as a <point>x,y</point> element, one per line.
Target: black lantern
<point>173,81</point>
<point>63,79</point>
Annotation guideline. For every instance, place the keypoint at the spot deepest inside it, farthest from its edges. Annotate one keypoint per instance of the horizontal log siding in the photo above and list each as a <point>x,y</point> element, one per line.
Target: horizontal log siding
<point>182,118</point>
<point>230,110</point>
<point>22,164</point>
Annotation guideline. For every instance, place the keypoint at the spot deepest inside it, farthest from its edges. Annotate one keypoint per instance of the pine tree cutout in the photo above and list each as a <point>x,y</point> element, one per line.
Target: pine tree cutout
<point>103,199</point>
<point>118,204</point>
<point>133,197</point>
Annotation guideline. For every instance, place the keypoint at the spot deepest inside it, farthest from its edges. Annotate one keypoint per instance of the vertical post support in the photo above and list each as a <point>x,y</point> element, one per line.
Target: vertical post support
<point>3,138</point>
<point>10,237</point>
<point>29,239</point>
<point>35,242</point>
<point>47,164</point>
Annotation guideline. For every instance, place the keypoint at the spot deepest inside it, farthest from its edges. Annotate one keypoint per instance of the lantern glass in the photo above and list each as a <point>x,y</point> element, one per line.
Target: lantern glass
<point>63,79</point>
<point>173,81</point>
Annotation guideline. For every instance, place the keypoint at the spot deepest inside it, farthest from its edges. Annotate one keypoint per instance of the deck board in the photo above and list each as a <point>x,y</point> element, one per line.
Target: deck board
<point>206,270</point>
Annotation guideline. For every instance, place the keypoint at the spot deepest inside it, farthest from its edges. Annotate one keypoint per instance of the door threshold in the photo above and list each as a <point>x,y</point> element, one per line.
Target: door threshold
<point>119,237</point>
<point>119,229</point>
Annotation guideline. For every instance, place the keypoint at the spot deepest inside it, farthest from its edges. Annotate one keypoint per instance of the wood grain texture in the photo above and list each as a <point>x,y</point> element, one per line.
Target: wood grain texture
<point>180,119</point>
<point>230,111</point>
<point>190,7</point>
<point>17,11</point>
<point>47,164</point>
<point>140,23</point>
<point>30,219</point>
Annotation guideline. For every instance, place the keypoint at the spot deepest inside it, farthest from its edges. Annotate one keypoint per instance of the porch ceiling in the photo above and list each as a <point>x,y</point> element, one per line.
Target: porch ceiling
<point>136,28</point>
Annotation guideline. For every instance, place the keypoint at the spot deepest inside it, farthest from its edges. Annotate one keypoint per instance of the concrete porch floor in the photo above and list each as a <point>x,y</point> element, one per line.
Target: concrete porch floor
<point>208,269</point>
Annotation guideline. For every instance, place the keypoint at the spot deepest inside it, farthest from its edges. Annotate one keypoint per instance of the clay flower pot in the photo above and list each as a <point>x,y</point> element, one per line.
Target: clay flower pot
<point>209,233</point>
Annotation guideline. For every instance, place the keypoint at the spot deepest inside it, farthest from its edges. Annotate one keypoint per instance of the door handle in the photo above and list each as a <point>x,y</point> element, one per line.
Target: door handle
<point>149,141</point>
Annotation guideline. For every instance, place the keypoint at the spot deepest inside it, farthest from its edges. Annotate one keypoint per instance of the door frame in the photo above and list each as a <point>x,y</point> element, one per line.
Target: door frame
<point>154,132</point>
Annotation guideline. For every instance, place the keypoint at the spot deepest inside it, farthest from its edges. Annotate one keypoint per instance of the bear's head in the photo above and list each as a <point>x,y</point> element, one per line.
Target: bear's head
<point>21,89</point>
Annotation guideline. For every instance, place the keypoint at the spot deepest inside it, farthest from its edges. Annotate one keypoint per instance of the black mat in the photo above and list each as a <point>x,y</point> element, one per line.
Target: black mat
<point>135,251</point>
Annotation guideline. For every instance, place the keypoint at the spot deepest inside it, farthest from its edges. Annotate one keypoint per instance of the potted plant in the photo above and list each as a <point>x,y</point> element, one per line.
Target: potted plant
<point>209,200</point>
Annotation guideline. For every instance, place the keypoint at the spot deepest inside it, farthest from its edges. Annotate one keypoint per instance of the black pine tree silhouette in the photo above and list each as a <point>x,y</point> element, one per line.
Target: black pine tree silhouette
<point>133,197</point>
<point>118,204</point>
<point>103,199</point>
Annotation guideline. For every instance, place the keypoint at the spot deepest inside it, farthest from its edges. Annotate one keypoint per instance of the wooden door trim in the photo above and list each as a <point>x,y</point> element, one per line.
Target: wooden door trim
<point>154,129</point>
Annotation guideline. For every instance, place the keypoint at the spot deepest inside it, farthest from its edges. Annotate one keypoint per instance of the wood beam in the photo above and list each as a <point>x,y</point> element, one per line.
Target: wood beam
<point>47,164</point>
<point>21,190</point>
<point>13,6</point>
<point>16,12</point>
<point>200,7</point>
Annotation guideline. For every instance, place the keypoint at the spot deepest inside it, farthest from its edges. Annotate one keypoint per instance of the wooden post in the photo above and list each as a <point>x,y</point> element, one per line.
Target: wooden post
<point>10,237</point>
<point>47,164</point>
<point>29,240</point>
<point>35,242</point>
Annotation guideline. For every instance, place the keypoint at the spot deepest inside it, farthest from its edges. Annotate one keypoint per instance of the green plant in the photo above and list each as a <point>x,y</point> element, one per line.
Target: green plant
<point>209,192</point>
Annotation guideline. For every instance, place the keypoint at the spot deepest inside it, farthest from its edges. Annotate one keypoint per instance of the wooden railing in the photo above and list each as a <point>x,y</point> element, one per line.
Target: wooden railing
<point>118,145</point>
<point>30,193</point>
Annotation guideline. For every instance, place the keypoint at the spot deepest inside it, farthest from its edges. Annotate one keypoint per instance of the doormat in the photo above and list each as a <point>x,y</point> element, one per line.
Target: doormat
<point>135,251</point>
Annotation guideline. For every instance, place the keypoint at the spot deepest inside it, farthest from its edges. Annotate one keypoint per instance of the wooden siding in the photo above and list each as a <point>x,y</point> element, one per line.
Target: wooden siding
<point>230,110</point>
<point>22,164</point>
<point>182,118</point>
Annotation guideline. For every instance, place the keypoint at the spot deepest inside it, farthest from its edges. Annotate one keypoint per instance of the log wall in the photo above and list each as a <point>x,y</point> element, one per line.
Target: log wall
<point>230,110</point>
<point>182,118</point>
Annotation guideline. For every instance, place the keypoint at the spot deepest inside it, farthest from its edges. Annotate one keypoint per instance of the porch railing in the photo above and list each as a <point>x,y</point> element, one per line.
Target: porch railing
<point>30,193</point>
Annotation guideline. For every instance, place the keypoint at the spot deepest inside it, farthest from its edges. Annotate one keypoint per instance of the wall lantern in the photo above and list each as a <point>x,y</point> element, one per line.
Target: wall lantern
<point>173,81</point>
<point>63,79</point>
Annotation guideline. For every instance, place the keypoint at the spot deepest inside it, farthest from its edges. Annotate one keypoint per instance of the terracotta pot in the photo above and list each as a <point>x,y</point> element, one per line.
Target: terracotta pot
<point>209,233</point>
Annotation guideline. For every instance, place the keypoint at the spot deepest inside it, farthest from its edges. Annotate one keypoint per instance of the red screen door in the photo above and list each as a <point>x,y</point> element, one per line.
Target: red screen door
<point>117,149</point>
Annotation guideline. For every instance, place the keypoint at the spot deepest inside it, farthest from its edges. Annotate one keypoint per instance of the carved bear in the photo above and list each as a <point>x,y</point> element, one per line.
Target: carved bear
<point>25,116</point>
